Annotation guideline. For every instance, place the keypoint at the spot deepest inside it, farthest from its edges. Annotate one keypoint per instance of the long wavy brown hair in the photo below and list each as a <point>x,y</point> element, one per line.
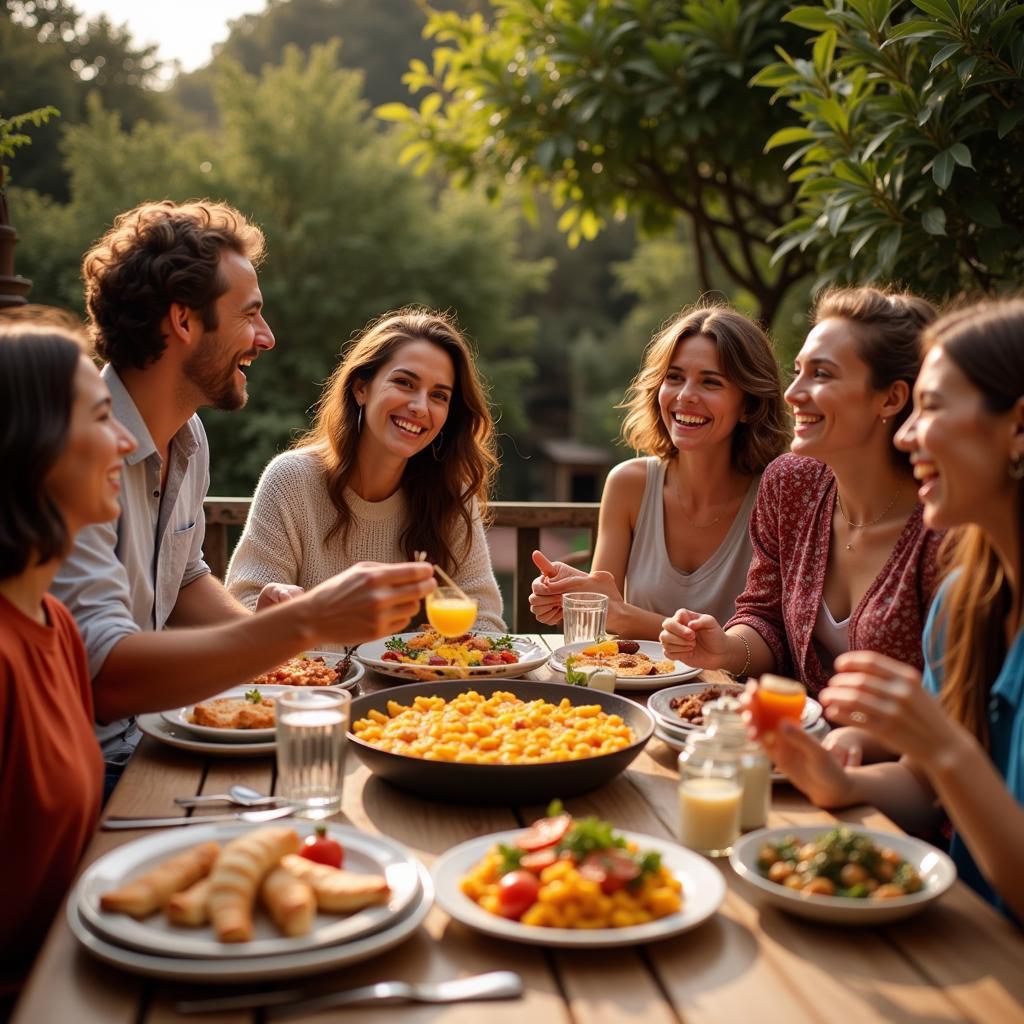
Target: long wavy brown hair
<point>748,361</point>
<point>441,482</point>
<point>986,342</point>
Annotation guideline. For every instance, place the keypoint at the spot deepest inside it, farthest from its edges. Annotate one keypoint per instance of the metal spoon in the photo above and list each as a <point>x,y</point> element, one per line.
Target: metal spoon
<point>289,1003</point>
<point>243,796</point>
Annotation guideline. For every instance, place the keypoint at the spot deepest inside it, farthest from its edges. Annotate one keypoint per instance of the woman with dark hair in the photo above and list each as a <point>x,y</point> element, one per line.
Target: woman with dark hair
<point>842,559</point>
<point>400,459</point>
<point>61,451</point>
<point>966,748</point>
<point>706,410</point>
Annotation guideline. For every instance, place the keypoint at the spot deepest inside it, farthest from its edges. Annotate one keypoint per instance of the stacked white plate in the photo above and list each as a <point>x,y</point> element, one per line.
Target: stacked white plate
<point>156,948</point>
<point>176,728</point>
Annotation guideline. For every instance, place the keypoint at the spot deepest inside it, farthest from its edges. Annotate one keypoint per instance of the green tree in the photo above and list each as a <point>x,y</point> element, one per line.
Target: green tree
<point>50,54</point>
<point>910,158</point>
<point>350,235</point>
<point>619,107</point>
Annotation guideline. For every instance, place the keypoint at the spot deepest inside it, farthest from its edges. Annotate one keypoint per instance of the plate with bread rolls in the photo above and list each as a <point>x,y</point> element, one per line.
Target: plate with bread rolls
<point>235,891</point>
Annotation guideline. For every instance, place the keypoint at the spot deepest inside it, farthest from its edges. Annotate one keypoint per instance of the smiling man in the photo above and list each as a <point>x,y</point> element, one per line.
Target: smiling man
<point>177,315</point>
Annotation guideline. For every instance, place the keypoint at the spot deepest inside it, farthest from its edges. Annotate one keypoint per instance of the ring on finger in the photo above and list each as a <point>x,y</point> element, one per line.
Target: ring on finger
<point>858,717</point>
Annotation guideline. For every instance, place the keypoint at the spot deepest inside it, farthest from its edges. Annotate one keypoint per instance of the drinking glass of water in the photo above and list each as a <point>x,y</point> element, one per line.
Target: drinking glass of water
<point>312,728</point>
<point>583,616</point>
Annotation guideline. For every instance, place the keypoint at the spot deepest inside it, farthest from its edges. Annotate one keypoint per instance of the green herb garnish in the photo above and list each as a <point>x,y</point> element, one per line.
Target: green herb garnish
<point>510,858</point>
<point>503,643</point>
<point>396,643</point>
<point>254,697</point>
<point>572,676</point>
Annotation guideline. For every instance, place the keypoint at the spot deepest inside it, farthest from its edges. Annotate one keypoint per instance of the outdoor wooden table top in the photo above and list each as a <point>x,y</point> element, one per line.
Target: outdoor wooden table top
<point>957,960</point>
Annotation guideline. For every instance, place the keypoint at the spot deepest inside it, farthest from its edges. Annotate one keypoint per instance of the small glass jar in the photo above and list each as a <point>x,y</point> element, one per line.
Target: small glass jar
<point>710,795</point>
<point>725,726</point>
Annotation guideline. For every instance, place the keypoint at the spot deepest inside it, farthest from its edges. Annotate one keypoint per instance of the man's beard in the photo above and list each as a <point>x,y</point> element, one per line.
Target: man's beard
<point>216,383</point>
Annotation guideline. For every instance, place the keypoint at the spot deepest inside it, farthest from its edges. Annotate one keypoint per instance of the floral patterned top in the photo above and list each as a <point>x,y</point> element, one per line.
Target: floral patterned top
<point>791,531</point>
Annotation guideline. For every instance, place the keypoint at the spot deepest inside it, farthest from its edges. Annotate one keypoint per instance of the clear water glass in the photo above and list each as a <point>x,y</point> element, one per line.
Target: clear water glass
<point>583,617</point>
<point>312,738</point>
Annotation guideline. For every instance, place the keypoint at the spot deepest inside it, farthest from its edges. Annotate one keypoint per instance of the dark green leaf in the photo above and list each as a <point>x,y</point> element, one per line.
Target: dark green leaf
<point>1009,119</point>
<point>961,154</point>
<point>942,169</point>
<point>944,54</point>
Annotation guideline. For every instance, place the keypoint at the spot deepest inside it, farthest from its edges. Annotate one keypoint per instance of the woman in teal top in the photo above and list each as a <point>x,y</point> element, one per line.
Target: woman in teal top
<point>965,749</point>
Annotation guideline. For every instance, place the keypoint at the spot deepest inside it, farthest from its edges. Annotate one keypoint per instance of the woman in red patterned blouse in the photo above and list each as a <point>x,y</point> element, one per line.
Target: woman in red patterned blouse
<point>842,559</point>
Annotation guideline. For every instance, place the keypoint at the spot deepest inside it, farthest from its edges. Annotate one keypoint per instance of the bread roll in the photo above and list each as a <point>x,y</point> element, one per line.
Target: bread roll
<point>149,892</point>
<point>289,901</point>
<point>337,891</point>
<point>235,878</point>
<point>190,908</point>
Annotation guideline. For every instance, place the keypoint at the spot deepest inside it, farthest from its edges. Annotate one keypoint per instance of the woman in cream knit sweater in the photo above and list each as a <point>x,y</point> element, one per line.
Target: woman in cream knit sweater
<point>400,459</point>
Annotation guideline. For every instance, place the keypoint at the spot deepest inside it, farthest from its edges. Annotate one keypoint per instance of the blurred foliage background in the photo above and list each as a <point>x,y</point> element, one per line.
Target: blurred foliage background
<point>565,174</point>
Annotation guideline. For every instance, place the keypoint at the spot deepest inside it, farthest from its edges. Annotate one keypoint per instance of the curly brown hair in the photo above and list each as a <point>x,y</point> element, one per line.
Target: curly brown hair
<point>748,361</point>
<point>441,485</point>
<point>154,255</point>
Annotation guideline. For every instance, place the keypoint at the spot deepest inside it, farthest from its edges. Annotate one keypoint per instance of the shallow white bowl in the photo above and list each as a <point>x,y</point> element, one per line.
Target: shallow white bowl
<point>937,872</point>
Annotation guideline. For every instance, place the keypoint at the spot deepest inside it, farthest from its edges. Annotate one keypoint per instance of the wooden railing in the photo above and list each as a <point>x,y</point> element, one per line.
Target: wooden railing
<point>527,518</point>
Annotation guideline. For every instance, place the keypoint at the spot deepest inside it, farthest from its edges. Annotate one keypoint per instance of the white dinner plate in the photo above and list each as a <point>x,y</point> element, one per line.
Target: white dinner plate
<point>531,656</point>
<point>703,892</point>
<point>660,705</point>
<point>257,968</point>
<point>364,854</point>
<point>937,872</point>
<point>651,648</point>
<point>177,736</point>
<point>180,718</point>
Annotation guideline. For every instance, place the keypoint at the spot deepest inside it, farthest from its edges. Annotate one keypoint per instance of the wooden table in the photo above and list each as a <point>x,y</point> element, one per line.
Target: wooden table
<point>956,961</point>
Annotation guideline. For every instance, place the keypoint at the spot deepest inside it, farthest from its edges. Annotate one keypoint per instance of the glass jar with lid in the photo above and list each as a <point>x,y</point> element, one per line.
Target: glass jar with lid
<point>710,795</point>
<point>725,727</point>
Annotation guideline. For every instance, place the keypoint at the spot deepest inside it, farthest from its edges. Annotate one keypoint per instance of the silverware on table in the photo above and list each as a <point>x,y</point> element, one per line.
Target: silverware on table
<point>290,1002</point>
<point>243,796</point>
<point>208,819</point>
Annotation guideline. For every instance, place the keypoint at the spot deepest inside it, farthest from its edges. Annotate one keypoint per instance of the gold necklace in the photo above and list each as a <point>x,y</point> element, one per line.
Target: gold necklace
<point>877,519</point>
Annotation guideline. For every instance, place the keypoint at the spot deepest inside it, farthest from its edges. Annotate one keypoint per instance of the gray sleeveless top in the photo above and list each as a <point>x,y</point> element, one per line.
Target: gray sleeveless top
<point>654,584</point>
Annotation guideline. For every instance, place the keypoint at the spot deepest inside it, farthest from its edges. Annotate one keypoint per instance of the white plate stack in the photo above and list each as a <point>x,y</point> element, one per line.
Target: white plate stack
<point>156,948</point>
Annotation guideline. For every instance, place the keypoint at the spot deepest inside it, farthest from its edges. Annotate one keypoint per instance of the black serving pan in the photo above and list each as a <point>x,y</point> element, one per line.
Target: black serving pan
<point>500,783</point>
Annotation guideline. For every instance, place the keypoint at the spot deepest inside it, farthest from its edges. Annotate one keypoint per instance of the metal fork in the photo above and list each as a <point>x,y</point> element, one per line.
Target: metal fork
<point>289,1003</point>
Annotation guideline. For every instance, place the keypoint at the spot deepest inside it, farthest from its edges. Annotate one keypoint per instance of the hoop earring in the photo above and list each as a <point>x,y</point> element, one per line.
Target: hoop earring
<point>435,448</point>
<point>1017,468</point>
<point>359,421</point>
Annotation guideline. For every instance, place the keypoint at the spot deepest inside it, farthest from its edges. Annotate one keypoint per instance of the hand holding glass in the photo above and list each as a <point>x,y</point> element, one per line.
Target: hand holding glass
<point>450,611</point>
<point>777,699</point>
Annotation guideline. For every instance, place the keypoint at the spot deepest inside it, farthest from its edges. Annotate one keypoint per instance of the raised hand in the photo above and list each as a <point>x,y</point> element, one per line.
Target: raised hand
<point>694,638</point>
<point>885,698</point>
<point>808,765</point>
<point>369,600</point>
<point>545,598</point>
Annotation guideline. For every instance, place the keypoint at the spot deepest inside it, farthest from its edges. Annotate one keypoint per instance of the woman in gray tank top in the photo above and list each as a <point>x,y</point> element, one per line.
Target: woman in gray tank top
<point>707,413</point>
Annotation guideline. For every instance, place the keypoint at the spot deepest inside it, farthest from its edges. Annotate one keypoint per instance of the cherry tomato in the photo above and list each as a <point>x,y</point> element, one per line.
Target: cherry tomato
<point>539,860</point>
<point>611,869</point>
<point>509,657</point>
<point>517,892</point>
<point>322,849</point>
<point>545,832</point>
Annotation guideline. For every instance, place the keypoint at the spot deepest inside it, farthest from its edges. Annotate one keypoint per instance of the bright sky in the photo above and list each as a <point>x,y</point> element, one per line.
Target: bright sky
<point>185,30</point>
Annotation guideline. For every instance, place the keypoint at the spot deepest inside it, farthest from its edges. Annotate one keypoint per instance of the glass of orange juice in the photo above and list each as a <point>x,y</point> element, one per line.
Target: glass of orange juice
<point>777,699</point>
<point>450,611</point>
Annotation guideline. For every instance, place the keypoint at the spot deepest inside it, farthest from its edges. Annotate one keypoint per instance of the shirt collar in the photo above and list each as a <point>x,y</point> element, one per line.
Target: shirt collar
<point>124,408</point>
<point>1009,684</point>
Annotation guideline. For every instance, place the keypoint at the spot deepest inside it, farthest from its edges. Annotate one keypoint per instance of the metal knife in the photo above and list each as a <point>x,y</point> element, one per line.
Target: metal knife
<point>204,819</point>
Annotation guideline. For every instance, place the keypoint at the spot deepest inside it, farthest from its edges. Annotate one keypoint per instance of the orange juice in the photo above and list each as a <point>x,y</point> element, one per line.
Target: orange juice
<point>449,613</point>
<point>777,699</point>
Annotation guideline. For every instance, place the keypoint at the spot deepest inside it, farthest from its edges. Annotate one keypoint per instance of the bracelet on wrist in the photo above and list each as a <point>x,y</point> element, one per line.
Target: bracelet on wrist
<point>746,663</point>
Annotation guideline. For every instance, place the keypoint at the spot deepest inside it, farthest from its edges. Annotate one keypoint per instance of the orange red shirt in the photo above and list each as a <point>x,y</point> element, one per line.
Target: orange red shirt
<point>51,776</point>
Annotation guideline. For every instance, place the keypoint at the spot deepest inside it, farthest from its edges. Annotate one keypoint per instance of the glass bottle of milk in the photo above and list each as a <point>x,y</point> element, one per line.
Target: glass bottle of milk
<point>725,725</point>
<point>710,794</point>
